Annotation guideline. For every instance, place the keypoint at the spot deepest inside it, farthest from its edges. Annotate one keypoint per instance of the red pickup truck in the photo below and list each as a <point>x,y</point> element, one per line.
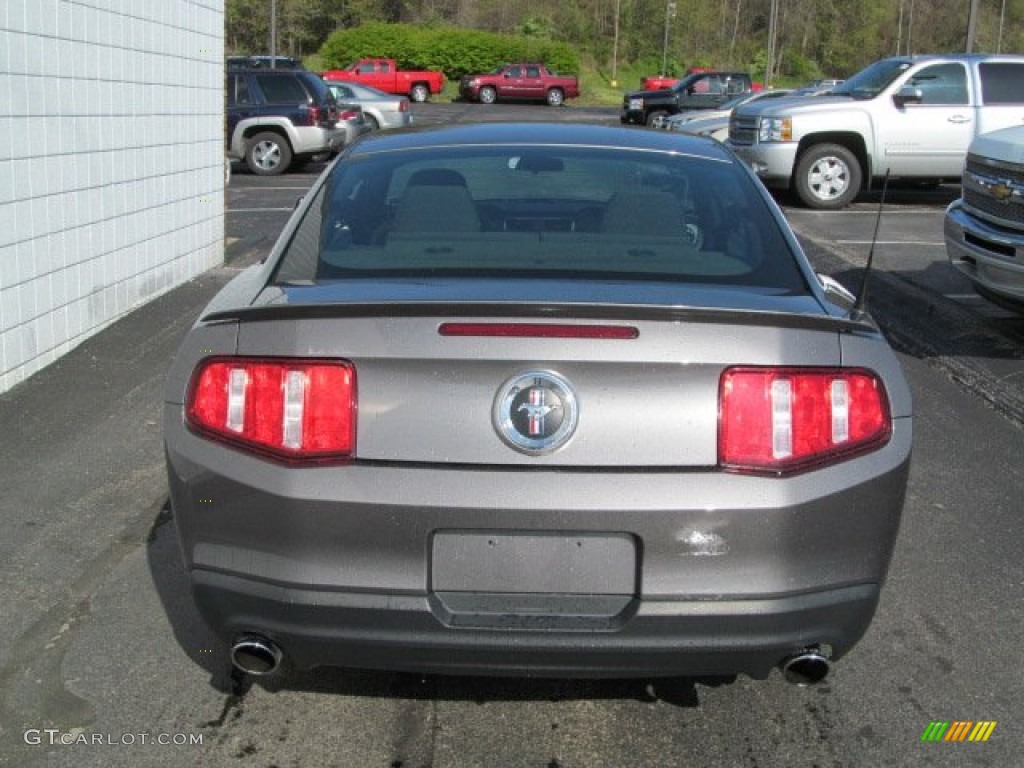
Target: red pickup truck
<point>533,82</point>
<point>661,81</point>
<point>384,75</point>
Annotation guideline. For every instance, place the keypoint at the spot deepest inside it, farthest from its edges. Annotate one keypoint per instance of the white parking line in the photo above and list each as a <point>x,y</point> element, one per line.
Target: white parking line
<point>257,210</point>
<point>927,243</point>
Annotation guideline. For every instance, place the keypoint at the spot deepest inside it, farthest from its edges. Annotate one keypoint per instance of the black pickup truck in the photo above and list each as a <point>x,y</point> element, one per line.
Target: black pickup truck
<point>702,90</point>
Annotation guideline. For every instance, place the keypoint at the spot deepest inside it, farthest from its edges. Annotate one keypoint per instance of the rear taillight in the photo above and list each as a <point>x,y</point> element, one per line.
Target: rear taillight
<point>780,420</point>
<point>314,115</point>
<point>403,105</point>
<point>349,114</point>
<point>291,409</point>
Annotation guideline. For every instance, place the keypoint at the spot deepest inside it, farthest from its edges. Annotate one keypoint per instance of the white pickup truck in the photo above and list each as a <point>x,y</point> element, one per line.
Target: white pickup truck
<point>911,116</point>
<point>984,229</point>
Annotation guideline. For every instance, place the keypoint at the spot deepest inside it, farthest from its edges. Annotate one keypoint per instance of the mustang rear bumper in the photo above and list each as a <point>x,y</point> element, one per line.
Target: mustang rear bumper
<point>556,572</point>
<point>647,639</point>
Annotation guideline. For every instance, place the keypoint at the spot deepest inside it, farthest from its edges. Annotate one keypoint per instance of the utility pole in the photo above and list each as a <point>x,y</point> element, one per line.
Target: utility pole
<point>615,49</point>
<point>910,29</point>
<point>899,31</point>
<point>1002,18</point>
<point>972,18</point>
<point>273,34</point>
<point>772,22</point>
<point>670,13</point>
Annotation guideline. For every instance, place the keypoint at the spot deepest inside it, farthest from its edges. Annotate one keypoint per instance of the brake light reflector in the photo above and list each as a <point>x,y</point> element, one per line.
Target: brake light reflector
<point>292,409</point>
<point>539,330</point>
<point>780,420</point>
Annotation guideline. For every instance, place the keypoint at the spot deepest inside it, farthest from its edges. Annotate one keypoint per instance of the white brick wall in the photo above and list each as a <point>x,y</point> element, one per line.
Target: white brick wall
<point>111,164</point>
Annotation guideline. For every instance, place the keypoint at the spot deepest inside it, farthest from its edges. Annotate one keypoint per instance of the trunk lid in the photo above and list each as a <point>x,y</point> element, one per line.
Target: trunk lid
<point>648,399</point>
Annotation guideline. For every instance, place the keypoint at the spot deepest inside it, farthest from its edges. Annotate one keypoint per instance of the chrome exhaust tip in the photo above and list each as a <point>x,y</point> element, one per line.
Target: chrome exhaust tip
<point>809,667</point>
<point>256,655</point>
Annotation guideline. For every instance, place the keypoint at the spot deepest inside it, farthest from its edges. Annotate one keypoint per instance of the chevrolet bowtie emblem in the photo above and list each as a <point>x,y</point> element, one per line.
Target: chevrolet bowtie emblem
<point>1001,192</point>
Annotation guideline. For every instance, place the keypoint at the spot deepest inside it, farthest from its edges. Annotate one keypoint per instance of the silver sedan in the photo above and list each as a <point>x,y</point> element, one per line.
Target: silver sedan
<point>537,399</point>
<point>382,110</point>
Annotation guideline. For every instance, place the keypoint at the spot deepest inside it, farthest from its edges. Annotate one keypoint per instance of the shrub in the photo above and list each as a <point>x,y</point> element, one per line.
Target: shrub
<point>455,52</point>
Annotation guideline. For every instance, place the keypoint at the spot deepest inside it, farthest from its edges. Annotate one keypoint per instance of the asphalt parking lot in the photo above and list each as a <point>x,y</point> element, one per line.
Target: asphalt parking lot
<point>102,652</point>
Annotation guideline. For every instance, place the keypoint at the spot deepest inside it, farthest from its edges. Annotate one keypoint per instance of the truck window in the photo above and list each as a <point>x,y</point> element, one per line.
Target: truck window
<point>941,84</point>
<point>1002,82</point>
<point>532,72</point>
<point>514,72</point>
<point>385,66</point>
<point>366,69</point>
<point>282,90</point>
<point>238,91</point>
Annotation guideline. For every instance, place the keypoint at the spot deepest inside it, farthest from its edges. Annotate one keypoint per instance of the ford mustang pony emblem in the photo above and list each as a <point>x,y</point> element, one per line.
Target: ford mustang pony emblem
<point>535,412</point>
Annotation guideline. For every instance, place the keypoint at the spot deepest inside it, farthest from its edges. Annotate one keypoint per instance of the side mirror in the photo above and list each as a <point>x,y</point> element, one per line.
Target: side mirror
<point>908,94</point>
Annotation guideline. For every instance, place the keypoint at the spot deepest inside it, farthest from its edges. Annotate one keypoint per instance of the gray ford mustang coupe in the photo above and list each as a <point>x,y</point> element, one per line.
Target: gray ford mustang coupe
<point>541,400</point>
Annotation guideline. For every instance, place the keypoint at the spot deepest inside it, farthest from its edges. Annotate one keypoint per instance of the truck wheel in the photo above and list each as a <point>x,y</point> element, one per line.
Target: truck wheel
<point>827,177</point>
<point>419,93</point>
<point>656,115</point>
<point>268,154</point>
<point>556,97</point>
<point>488,95</point>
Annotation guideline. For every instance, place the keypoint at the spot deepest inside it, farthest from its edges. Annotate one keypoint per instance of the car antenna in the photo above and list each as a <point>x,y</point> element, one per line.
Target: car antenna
<point>862,294</point>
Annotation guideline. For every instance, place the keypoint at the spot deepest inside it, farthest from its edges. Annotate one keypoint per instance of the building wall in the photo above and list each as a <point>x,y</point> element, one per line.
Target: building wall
<point>111,164</point>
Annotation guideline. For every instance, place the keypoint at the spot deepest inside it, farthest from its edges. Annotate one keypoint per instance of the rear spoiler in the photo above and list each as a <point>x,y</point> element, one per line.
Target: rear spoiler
<point>616,312</point>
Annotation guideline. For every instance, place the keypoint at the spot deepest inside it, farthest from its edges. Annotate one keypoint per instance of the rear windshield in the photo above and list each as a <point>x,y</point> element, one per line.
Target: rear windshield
<point>573,213</point>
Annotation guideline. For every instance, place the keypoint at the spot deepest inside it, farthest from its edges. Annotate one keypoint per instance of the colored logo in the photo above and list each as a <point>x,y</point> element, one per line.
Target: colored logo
<point>958,730</point>
<point>535,412</point>
<point>1001,192</point>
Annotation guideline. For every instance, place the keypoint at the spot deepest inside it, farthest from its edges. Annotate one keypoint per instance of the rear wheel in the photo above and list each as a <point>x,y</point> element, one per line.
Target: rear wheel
<point>488,95</point>
<point>268,154</point>
<point>556,97</point>
<point>372,122</point>
<point>419,93</point>
<point>828,177</point>
<point>656,115</point>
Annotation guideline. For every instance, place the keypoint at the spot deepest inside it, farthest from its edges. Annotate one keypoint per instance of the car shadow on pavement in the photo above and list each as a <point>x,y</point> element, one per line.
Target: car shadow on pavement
<point>211,654</point>
<point>201,646</point>
<point>677,691</point>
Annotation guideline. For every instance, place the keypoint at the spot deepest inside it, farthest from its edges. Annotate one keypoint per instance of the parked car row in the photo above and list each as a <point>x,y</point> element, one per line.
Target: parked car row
<point>280,118</point>
<point>882,120</point>
<point>931,118</point>
<point>280,115</point>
